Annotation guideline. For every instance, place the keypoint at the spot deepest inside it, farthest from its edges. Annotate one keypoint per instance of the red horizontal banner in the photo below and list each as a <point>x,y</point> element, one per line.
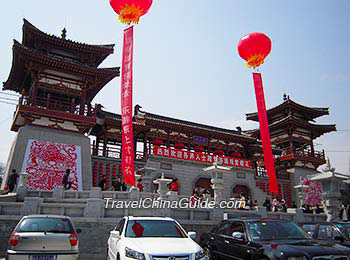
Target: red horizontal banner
<point>200,157</point>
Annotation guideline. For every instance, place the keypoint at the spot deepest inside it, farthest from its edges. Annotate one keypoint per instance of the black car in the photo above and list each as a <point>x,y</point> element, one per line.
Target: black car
<point>267,239</point>
<point>338,232</point>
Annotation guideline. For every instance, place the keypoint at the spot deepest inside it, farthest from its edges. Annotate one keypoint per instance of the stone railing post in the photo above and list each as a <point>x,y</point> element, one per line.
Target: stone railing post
<point>262,211</point>
<point>95,192</point>
<point>298,215</point>
<point>31,206</point>
<point>94,208</point>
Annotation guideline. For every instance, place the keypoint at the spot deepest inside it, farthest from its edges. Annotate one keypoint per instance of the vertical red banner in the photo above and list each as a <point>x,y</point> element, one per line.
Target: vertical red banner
<point>265,132</point>
<point>126,108</point>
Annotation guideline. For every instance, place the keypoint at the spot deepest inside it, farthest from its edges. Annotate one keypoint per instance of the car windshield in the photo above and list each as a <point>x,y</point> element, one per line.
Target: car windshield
<point>344,228</point>
<point>45,224</point>
<point>275,230</point>
<point>153,228</point>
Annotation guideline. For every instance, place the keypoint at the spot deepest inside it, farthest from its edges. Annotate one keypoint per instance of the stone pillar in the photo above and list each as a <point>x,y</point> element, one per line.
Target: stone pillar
<point>218,187</point>
<point>134,193</point>
<point>262,211</point>
<point>95,192</point>
<point>31,206</point>
<point>298,215</point>
<point>22,190</point>
<point>94,208</point>
<point>172,195</point>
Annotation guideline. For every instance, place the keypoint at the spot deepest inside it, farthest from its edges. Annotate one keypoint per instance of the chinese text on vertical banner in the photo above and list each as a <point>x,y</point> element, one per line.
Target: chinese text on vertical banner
<point>126,109</point>
<point>265,133</point>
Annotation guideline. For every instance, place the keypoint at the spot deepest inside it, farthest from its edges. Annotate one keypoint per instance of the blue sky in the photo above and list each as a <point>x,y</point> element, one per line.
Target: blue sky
<point>186,63</point>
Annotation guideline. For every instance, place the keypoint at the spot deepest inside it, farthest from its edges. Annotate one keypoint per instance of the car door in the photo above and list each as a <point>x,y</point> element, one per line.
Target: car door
<point>113,241</point>
<point>238,247</point>
<point>220,239</point>
<point>310,228</point>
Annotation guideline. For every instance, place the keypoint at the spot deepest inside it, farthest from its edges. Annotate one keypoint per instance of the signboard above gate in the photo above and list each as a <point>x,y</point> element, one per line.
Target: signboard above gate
<point>200,157</point>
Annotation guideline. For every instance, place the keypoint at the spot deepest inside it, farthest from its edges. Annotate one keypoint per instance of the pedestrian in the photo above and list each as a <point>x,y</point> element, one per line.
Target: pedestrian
<point>124,187</point>
<point>283,206</point>
<point>250,203</point>
<point>256,204</point>
<point>117,185</point>
<point>197,190</point>
<point>242,200</point>
<point>275,205</point>
<point>267,203</point>
<point>174,185</point>
<point>66,184</point>
<point>194,199</point>
<point>139,185</point>
<point>12,181</point>
<point>318,210</point>
<point>343,213</point>
<point>102,182</point>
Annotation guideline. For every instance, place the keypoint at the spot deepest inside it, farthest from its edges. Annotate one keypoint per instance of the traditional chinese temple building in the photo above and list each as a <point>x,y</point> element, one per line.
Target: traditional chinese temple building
<point>59,128</point>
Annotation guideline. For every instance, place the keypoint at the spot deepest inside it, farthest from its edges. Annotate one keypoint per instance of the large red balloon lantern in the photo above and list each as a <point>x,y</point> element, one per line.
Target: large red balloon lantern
<point>254,48</point>
<point>130,11</point>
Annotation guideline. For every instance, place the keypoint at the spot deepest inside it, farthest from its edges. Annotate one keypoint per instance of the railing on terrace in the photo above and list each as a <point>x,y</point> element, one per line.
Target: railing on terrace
<point>302,153</point>
<point>59,105</point>
<point>114,152</point>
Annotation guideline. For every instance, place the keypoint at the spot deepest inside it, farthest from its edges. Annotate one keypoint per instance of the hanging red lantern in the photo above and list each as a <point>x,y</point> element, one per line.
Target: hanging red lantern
<point>179,146</point>
<point>130,11</point>
<point>199,149</point>
<point>157,142</point>
<point>236,154</point>
<point>218,152</point>
<point>254,48</point>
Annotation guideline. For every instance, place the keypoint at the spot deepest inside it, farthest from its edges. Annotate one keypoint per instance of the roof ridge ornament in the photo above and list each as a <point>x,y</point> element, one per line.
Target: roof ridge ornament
<point>64,33</point>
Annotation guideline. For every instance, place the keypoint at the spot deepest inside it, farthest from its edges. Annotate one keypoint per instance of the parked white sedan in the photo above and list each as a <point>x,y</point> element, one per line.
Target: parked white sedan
<point>152,238</point>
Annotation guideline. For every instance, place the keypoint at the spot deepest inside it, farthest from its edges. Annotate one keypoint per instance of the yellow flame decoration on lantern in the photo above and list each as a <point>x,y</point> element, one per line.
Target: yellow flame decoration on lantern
<point>130,14</point>
<point>255,61</point>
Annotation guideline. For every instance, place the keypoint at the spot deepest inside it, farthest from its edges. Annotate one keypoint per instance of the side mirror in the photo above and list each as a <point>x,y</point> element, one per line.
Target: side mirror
<point>238,236</point>
<point>192,234</point>
<point>115,234</point>
<point>78,230</point>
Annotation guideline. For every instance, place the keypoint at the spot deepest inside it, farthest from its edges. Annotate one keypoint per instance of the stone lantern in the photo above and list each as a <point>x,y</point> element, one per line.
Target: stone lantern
<point>330,182</point>
<point>147,178</point>
<point>162,185</point>
<point>217,180</point>
<point>301,193</point>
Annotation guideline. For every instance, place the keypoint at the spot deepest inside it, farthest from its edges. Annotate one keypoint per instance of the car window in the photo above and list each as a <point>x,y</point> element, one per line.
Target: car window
<point>327,232</point>
<point>120,226</point>
<point>223,229</point>
<point>154,228</point>
<point>344,228</point>
<point>310,228</point>
<point>275,230</point>
<point>236,227</point>
<point>45,224</point>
